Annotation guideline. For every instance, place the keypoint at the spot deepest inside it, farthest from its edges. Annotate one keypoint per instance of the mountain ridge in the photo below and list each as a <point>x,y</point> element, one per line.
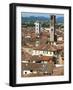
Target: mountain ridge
<point>41,19</point>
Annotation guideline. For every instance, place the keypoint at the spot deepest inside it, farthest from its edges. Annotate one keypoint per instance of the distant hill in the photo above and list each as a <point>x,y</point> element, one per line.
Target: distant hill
<point>60,20</point>
<point>41,19</point>
<point>33,19</point>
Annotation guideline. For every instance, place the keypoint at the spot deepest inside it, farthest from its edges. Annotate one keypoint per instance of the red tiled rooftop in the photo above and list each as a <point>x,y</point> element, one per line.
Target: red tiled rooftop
<point>41,58</point>
<point>45,58</point>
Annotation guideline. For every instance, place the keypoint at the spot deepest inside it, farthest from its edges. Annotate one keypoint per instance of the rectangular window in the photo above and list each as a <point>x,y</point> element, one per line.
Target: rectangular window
<point>45,52</point>
<point>50,52</point>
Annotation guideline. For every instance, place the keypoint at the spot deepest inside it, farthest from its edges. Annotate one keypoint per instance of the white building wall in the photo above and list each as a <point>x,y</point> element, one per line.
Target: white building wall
<point>60,38</point>
<point>48,54</point>
<point>37,52</point>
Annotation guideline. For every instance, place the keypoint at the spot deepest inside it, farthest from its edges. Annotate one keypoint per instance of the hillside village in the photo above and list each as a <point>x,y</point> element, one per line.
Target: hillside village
<point>42,51</point>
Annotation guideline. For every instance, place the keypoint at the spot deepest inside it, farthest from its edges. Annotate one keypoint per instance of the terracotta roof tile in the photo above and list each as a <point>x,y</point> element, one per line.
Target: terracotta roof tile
<point>45,58</point>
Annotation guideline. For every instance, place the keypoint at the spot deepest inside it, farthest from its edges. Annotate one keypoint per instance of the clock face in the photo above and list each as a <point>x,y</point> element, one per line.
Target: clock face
<point>51,29</point>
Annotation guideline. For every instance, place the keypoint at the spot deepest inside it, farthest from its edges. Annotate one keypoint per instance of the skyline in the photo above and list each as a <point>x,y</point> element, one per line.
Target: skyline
<point>47,15</point>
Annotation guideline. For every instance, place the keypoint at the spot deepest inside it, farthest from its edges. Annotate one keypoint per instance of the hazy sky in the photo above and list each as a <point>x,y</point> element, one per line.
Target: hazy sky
<point>28,14</point>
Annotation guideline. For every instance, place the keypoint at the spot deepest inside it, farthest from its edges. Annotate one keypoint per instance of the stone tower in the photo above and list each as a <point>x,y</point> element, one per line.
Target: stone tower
<point>52,28</point>
<point>37,27</point>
